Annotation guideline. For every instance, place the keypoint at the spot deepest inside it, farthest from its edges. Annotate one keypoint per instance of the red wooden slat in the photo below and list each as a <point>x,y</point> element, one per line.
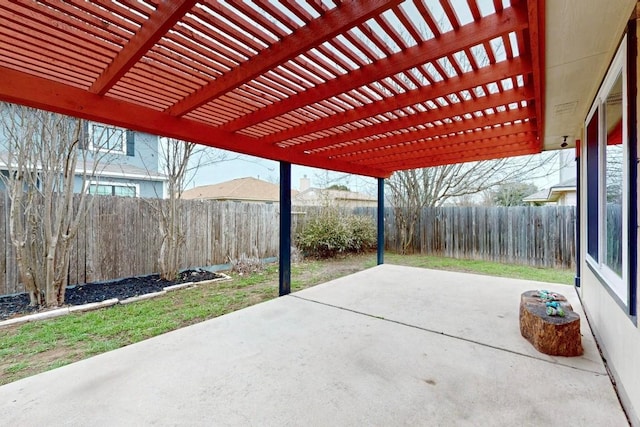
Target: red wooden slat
<point>501,151</point>
<point>423,118</point>
<point>373,37</point>
<point>33,66</point>
<point>475,11</point>
<point>466,81</point>
<point>57,47</point>
<point>200,45</point>
<point>283,18</point>
<point>468,35</point>
<point>444,129</point>
<point>261,20</point>
<point>74,16</point>
<point>228,47</point>
<point>111,22</point>
<point>42,23</point>
<point>166,64</point>
<point>311,35</point>
<point>361,46</point>
<point>304,73</point>
<point>451,14</point>
<point>177,48</point>
<point>246,27</point>
<point>428,17</point>
<point>234,42</point>
<point>49,59</point>
<point>408,24</point>
<point>391,32</point>
<point>426,145</point>
<point>151,31</point>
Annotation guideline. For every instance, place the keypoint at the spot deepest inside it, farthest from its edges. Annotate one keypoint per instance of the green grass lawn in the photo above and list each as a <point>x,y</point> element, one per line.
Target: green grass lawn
<point>483,267</point>
<point>36,347</point>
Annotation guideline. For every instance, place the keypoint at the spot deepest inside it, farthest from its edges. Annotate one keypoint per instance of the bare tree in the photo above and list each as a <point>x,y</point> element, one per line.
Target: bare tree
<point>412,190</point>
<point>46,163</point>
<point>180,162</point>
<point>175,157</point>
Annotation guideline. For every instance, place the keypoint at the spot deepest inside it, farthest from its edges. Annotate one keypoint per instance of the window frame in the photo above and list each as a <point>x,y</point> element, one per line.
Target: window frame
<point>112,184</point>
<point>618,285</point>
<point>123,142</point>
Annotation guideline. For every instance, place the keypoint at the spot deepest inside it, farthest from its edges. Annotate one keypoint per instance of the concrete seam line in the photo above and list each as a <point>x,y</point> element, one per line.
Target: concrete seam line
<point>433,331</point>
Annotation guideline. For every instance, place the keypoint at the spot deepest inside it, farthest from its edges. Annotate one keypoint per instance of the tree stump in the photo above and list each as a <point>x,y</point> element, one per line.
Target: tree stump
<point>553,335</point>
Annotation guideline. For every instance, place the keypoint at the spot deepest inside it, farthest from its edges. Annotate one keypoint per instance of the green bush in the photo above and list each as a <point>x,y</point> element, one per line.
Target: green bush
<point>364,236</point>
<point>331,233</point>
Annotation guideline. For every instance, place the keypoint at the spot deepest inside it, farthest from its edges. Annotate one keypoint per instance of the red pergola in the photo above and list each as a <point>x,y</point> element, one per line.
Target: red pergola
<point>366,87</point>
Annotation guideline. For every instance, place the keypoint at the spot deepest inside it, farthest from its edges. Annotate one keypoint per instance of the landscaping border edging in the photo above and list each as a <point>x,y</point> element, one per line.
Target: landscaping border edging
<point>51,314</point>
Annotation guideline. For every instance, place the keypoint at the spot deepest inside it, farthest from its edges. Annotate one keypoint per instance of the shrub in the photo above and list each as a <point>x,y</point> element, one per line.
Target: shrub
<point>364,236</point>
<point>331,233</point>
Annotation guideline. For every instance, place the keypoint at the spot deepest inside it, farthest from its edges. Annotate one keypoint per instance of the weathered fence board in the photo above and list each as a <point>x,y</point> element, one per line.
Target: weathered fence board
<point>120,237</point>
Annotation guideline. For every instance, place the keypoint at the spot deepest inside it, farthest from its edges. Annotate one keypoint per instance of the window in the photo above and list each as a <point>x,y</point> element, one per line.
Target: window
<point>107,138</point>
<point>607,180</point>
<point>113,189</point>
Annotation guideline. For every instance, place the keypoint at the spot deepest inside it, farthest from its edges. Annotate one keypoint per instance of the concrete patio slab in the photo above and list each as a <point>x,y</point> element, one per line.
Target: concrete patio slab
<point>350,352</point>
<point>468,306</point>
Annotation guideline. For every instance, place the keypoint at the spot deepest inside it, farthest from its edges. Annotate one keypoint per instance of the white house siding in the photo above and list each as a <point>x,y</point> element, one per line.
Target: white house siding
<point>617,333</point>
<point>568,199</point>
<point>618,336</point>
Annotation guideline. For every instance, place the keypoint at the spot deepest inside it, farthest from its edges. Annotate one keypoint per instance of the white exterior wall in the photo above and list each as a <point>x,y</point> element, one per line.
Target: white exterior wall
<point>618,337</point>
<point>568,199</point>
<point>617,334</point>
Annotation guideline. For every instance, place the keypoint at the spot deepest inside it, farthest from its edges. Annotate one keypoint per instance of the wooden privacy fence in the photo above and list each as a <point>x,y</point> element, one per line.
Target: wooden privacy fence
<point>537,236</point>
<point>120,236</point>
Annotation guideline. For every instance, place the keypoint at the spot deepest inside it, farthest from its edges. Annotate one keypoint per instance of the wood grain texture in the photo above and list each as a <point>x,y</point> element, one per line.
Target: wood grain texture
<point>553,335</point>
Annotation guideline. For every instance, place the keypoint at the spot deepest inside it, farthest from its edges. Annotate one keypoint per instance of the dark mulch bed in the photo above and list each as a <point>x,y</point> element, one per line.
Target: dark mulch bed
<point>17,305</point>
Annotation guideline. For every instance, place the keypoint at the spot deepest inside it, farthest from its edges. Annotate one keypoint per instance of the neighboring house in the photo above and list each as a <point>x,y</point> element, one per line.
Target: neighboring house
<point>310,196</point>
<point>562,194</point>
<point>248,190</point>
<point>324,197</point>
<point>131,167</point>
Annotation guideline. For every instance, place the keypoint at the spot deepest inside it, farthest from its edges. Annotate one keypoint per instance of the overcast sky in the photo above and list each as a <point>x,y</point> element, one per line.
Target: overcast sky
<point>268,170</point>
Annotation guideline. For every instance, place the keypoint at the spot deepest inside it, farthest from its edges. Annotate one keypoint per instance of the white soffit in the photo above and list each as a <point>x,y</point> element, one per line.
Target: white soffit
<point>581,39</point>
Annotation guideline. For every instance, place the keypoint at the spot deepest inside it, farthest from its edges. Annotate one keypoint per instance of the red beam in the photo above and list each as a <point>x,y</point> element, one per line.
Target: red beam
<point>472,34</point>
<point>450,143</point>
<point>509,150</point>
<point>453,151</point>
<point>442,130</point>
<point>467,81</point>
<point>536,10</point>
<point>430,116</point>
<point>165,17</point>
<point>318,31</point>
<point>515,151</point>
<point>21,88</point>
